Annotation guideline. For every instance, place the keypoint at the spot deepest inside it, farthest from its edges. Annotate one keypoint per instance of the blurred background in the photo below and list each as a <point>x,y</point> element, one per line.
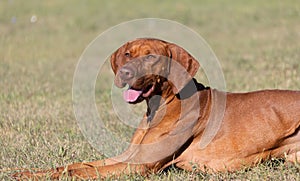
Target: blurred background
<point>257,43</point>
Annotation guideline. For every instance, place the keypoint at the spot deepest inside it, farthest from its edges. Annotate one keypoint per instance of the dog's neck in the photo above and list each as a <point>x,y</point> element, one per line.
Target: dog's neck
<point>190,89</point>
<point>167,95</point>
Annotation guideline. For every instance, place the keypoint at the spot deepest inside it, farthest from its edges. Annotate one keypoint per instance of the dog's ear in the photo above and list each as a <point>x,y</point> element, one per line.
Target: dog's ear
<point>118,58</point>
<point>113,62</point>
<point>183,69</point>
<point>180,55</point>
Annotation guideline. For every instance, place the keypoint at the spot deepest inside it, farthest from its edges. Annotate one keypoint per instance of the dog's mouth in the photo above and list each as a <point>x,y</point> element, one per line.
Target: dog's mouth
<point>132,95</point>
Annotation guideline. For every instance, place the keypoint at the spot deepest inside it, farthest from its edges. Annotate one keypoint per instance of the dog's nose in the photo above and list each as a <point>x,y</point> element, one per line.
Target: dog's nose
<point>126,73</point>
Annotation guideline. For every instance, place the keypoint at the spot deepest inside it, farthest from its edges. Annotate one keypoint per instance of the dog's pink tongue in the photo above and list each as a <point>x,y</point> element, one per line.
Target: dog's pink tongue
<point>131,95</point>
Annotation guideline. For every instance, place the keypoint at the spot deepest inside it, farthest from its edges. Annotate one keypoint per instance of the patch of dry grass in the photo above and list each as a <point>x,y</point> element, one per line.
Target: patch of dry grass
<point>257,43</point>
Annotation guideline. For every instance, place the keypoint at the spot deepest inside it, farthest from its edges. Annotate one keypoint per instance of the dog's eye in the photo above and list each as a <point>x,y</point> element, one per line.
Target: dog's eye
<point>150,57</point>
<point>127,54</point>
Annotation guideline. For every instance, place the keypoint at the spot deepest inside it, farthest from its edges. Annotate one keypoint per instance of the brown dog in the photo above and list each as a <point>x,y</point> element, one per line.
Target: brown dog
<point>250,126</point>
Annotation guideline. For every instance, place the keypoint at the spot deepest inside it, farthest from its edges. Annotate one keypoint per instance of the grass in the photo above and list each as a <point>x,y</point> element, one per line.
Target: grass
<point>257,43</point>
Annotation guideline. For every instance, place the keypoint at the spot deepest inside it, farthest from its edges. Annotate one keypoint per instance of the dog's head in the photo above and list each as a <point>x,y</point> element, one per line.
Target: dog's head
<point>151,67</point>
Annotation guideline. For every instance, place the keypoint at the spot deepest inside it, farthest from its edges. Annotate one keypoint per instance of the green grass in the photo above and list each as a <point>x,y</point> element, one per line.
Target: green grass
<point>257,43</point>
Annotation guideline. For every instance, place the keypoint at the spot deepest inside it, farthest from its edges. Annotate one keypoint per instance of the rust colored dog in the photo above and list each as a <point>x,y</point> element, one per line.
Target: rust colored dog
<point>251,127</point>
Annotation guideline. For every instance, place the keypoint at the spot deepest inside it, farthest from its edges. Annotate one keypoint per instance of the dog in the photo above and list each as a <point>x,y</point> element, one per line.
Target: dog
<point>249,127</point>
